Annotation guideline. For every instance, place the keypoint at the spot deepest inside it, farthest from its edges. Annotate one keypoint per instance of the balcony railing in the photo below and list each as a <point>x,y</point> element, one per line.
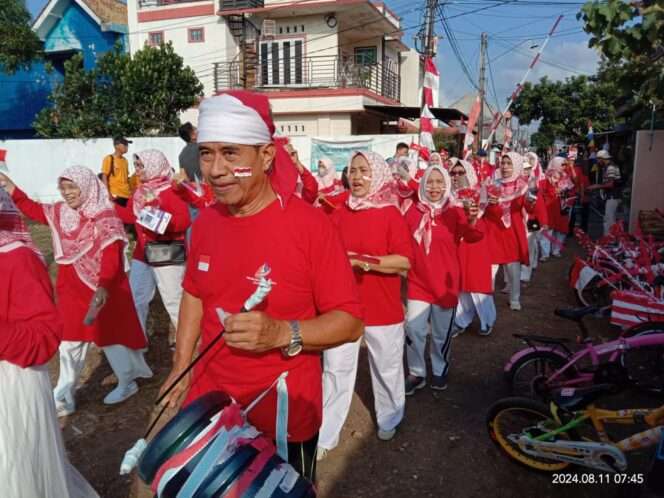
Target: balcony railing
<point>160,3</point>
<point>310,72</point>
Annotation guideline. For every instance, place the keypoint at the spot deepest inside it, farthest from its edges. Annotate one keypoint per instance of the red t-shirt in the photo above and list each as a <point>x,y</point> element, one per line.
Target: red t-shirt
<point>312,276</point>
<point>435,277</point>
<point>376,232</point>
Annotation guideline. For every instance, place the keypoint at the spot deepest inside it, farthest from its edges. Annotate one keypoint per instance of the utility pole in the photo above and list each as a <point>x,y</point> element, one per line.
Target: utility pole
<point>429,37</point>
<point>483,49</point>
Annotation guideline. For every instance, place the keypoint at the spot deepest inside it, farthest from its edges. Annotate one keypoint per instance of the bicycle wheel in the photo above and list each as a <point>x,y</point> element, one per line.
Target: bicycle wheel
<point>646,328</point>
<point>518,416</point>
<point>529,375</point>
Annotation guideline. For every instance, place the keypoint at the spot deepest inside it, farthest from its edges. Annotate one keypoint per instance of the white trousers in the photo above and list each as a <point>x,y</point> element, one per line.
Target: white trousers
<point>385,348</point>
<point>533,254</point>
<point>144,280</point>
<point>127,365</point>
<point>547,246</point>
<point>471,303</point>
<point>512,274</point>
<point>610,209</point>
<point>419,315</point>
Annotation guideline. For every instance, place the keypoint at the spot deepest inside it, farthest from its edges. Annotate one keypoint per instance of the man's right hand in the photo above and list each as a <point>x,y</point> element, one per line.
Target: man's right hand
<point>179,392</point>
<point>7,184</point>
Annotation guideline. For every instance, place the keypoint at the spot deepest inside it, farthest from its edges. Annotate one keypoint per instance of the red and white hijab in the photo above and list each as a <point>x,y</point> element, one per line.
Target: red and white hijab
<point>511,188</point>
<point>557,175</point>
<point>430,210</point>
<point>157,174</point>
<point>328,183</point>
<point>14,232</point>
<point>81,235</point>
<point>383,189</point>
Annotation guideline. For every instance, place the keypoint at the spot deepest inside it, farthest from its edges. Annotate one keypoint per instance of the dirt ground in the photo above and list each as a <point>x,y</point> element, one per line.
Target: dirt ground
<point>442,447</point>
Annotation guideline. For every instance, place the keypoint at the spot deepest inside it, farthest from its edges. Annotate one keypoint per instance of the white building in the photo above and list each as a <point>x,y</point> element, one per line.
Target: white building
<point>321,62</point>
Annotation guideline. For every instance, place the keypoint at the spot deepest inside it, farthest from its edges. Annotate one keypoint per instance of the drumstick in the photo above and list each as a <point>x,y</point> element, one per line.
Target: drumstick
<point>132,456</point>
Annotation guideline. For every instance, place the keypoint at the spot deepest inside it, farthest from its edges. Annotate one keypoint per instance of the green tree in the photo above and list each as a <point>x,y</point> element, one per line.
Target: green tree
<point>564,107</point>
<point>19,45</point>
<point>121,96</point>
<point>631,37</point>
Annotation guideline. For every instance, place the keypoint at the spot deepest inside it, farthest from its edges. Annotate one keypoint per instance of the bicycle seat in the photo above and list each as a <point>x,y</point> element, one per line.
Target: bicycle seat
<point>576,314</point>
<point>570,398</point>
<point>541,338</point>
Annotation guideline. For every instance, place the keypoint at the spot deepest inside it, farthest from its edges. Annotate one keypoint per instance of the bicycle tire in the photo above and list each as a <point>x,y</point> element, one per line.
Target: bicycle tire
<point>526,406</point>
<point>644,329</point>
<point>556,360</point>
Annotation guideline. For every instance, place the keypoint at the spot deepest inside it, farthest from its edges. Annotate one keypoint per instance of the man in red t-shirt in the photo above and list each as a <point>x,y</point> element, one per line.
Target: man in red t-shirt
<point>257,224</point>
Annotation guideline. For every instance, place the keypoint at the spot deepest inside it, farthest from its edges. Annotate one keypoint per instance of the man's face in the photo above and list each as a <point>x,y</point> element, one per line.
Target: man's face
<point>121,148</point>
<point>218,161</point>
<point>194,134</point>
<point>401,152</point>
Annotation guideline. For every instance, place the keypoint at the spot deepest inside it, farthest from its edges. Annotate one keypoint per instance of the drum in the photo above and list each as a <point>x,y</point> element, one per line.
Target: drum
<point>209,450</point>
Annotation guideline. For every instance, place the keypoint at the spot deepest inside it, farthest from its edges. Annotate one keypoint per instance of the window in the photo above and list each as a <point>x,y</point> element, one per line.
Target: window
<point>282,62</point>
<point>196,35</point>
<point>155,38</point>
<point>366,55</point>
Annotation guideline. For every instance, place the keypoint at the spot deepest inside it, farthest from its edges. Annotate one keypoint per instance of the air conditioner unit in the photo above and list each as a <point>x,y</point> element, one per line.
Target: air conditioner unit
<point>269,28</point>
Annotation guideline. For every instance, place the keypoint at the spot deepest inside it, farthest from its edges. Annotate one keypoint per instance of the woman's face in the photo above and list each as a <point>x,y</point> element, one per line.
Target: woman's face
<point>140,169</point>
<point>506,167</point>
<point>322,169</point>
<point>359,176</point>
<point>70,193</point>
<point>435,186</point>
<point>457,174</point>
<point>448,164</point>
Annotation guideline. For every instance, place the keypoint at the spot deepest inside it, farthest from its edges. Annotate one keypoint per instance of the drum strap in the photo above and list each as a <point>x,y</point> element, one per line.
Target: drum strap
<point>282,413</point>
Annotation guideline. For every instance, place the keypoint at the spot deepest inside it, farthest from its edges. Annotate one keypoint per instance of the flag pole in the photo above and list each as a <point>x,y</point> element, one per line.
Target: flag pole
<point>519,86</point>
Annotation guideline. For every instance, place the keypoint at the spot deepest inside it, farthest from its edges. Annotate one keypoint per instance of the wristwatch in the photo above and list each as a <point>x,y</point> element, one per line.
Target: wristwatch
<point>366,266</point>
<point>295,346</point>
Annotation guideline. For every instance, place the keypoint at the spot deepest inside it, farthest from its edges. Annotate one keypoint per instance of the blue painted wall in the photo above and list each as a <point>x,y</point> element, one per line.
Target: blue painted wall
<point>25,93</point>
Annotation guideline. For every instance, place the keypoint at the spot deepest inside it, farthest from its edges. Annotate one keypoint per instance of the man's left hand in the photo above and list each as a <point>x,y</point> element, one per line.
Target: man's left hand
<point>255,331</point>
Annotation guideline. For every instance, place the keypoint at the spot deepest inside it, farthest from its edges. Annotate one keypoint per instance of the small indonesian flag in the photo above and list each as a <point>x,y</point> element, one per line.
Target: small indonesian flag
<point>3,164</point>
<point>204,263</point>
<point>242,172</point>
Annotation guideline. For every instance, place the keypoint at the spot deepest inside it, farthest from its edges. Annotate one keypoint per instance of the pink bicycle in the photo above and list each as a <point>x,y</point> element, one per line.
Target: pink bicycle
<point>636,359</point>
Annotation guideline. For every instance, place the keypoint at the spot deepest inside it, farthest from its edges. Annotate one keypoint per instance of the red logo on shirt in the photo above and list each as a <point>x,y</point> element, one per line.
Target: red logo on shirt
<point>204,263</point>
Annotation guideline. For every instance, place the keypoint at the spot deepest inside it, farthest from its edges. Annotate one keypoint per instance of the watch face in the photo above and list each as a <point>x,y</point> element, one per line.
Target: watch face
<point>294,349</point>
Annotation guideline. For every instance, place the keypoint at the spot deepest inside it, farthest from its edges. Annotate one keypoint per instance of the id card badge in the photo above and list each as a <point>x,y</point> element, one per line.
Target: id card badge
<point>154,220</point>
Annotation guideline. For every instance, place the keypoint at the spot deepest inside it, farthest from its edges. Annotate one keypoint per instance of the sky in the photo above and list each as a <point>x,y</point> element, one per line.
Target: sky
<point>513,27</point>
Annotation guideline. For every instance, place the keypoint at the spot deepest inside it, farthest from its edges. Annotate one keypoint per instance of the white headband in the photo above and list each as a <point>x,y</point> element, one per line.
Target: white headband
<point>225,118</point>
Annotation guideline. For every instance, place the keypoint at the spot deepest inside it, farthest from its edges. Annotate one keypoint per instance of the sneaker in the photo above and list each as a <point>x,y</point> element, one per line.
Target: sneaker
<point>321,453</point>
<point>457,331</point>
<point>505,290</point>
<point>558,256</point>
<point>414,383</point>
<point>515,306</point>
<point>121,393</point>
<point>439,382</point>
<point>64,409</point>
<point>386,435</point>
<point>544,259</point>
<point>486,332</point>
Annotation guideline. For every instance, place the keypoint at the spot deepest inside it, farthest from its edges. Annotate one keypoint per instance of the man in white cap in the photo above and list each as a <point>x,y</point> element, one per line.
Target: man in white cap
<point>258,223</point>
<point>610,187</point>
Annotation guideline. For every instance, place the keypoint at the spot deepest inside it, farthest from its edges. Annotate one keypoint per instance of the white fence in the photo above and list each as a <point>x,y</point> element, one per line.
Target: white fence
<point>34,165</point>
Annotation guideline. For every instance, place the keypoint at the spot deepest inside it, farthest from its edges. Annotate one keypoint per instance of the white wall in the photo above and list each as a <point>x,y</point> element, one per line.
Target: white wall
<point>410,79</point>
<point>219,45</point>
<point>34,165</point>
<point>648,176</point>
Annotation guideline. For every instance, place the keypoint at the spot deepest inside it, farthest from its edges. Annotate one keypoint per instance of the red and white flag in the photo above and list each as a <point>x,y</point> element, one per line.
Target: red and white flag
<point>3,164</point>
<point>472,121</point>
<point>431,80</point>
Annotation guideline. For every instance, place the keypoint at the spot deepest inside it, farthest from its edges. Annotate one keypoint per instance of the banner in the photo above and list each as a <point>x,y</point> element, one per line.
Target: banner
<point>339,152</point>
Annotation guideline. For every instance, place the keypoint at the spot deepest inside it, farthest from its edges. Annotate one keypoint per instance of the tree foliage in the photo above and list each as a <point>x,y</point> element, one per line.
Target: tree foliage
<point>631,37</point>
<point>121,96</point>
<point>19,45</point>
<point>564,107</point>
